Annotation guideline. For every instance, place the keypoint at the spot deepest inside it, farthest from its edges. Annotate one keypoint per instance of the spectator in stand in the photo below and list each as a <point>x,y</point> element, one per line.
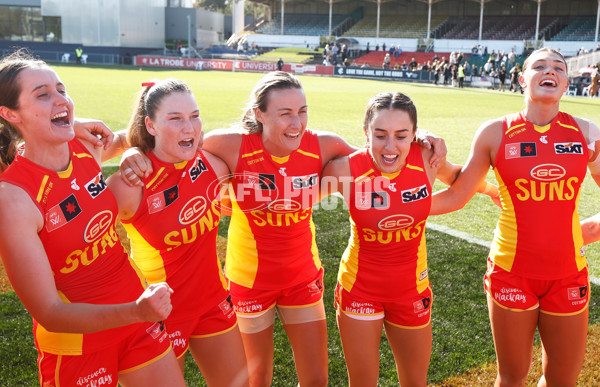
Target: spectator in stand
<point>392,50</point>
<point>515,72</point>
<point>454,70</point>
<point>344,53</point>
<point>474,71</point>
<point>437,70</point>
<point>404,65</point>
<point>368,49</point>
<point>467,68</point>
<point>426,66</point>
<point>595,75</point>
<point>383,47</point>
<point>397,66</point>
<point>280,64</point>
<point>511,59</point>
<point>502,77</point>
<point>398,51</point>
<point>386,61</point>
<point>452,59</point>
<point>435,58</point>
<point>377,47</point>
<point>335,50</point>
<point>459,57</point>
<point>412,66</point>
<point>447,74</point>
<point>488,67</point>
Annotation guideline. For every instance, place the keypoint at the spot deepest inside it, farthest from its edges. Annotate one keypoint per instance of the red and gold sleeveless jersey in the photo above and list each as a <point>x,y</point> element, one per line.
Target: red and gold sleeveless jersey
<point>174,234</point>
<point>87,259</point>
<point>539,172</point>
<point>386,253</point>
<point>271,242</point>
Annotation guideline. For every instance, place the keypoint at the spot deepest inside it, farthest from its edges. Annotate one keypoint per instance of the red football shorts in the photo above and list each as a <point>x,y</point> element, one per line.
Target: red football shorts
<point>413,312</point>
<point>564,296</point>
<point>219,319</point>
<point>146,345</point>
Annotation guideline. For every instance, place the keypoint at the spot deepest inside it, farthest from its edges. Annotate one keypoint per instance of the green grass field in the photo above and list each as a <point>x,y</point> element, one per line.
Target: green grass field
<point>462,338</point>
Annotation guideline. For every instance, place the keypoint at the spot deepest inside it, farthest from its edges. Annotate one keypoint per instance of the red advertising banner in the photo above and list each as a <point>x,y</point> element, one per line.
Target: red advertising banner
<point>228,65</point>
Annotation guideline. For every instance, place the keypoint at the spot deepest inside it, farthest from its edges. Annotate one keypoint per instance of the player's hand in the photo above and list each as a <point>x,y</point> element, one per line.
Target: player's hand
<point>134,167</point>
<point>155,303</point>
<point>430,141</point>
<point>93,131</point>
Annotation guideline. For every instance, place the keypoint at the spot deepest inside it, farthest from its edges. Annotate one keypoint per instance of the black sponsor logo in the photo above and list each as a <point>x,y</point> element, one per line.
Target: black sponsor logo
<point>528,149</point>
<point>562,148</point>
<point>414,194</point>
<point>197,169</point>
<point>299,182</point>
<point>96,186</point>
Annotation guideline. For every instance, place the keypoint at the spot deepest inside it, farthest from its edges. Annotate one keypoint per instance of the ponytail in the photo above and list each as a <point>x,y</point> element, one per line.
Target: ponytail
<point>148,102</point>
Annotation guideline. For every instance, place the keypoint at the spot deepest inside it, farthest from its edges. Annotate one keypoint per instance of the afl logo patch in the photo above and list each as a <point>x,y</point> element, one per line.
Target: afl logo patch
<point>548,172</point>
<point>192,210</point>
<point>395,222</point>
<point>284,206</point>
<point>98,226</point>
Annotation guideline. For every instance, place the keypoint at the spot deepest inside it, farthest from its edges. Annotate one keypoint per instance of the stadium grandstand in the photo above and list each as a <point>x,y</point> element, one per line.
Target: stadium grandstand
<point>114,31</point>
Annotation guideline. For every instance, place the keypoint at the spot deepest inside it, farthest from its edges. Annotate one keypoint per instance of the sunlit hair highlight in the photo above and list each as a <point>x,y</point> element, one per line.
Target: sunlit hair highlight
<point>147,103</point>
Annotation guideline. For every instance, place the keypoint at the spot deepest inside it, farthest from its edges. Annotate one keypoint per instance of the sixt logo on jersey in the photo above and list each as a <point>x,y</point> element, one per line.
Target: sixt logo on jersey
<point>367,200</point>
<point>62,213</point>
<point>307,181</point>
<point>520,149</point>
<point>160,200</point>
<point>414,194</point>
<point>197,169</point>
<point>96,186</point>
<point>566,148</point>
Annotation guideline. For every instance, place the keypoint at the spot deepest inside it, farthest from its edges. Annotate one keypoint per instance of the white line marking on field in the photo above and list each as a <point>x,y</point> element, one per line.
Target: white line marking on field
<point>459,234</point>
<point>478,241</point>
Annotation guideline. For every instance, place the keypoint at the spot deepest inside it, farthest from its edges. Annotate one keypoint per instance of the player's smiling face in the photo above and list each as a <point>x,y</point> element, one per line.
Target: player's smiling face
<point>177,128</point>
<point>390,134</point>
<point>45,110</point>
<point>284,120</point>
<point>545,76</point>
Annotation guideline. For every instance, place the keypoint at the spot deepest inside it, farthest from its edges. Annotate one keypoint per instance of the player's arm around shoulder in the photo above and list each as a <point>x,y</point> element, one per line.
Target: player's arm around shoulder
<point>590,227</point>
<point>23,254</point>
<point>337,177</point>
<point>472,174</point>
<point>128,197</point>
<point>333,146</point>
<point>225,144</point>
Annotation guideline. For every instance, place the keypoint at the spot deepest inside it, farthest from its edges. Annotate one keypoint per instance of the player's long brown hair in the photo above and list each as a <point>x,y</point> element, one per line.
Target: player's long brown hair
<point>10,90</point>
<point>148,102</point>
<point>390,100</point>
<point>544,49</point>
<point>259,98</point>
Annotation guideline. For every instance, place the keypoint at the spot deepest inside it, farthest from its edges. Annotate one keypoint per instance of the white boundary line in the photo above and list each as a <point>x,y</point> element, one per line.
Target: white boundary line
<point>471,239</point>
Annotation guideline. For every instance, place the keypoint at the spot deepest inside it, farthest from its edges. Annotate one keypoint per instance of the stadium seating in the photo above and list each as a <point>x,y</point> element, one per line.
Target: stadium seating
<point>306,24</point>
<point>579,28</point>
<point>496,27</point>
<point>395,26</point>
